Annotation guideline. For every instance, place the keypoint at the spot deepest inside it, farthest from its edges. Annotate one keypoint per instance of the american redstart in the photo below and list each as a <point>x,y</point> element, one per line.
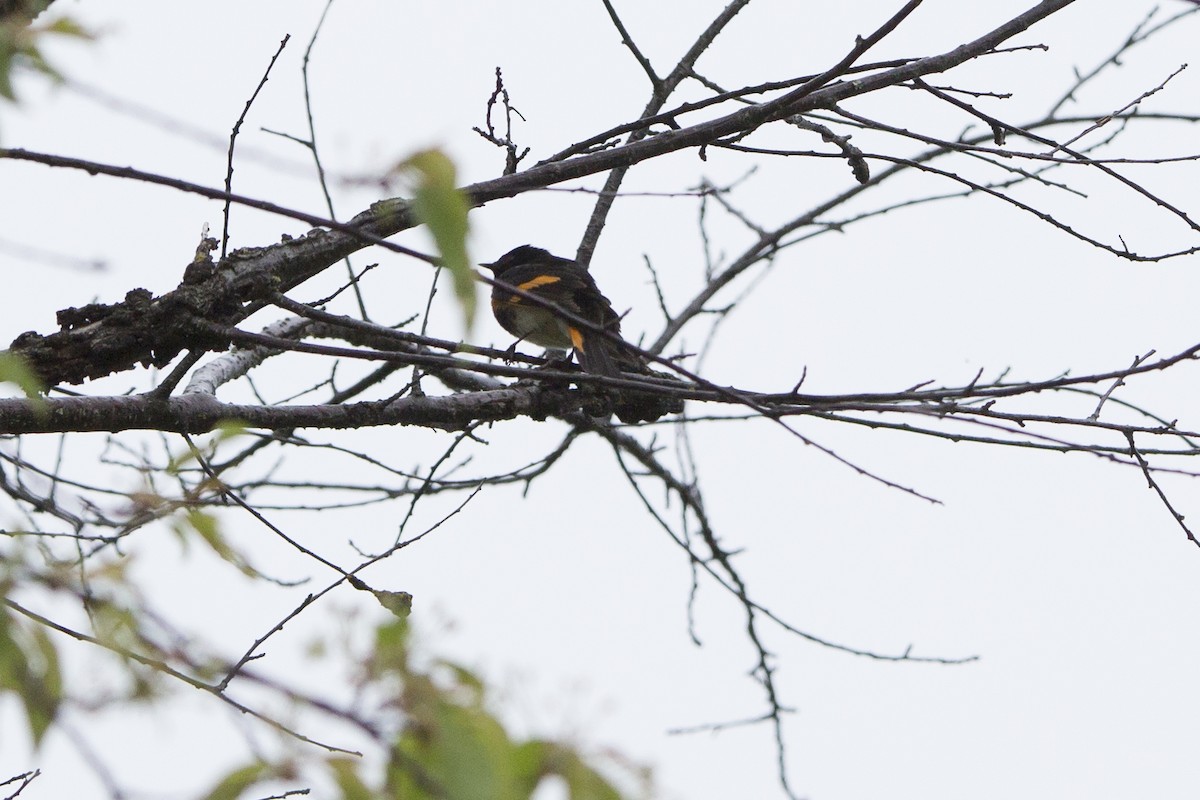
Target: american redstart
<point>568,286</point>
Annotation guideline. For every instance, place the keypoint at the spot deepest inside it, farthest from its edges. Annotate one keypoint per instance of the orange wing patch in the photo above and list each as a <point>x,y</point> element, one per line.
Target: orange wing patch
<point>576,338</point>
<point>530,285</point>
<point>540,280</point>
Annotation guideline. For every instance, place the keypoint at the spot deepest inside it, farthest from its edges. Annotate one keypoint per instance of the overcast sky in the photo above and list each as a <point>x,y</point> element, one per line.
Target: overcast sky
<point>1063,573</point>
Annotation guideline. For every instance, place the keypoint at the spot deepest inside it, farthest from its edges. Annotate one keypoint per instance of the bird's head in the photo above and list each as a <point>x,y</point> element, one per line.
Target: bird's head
<point>525,254</point>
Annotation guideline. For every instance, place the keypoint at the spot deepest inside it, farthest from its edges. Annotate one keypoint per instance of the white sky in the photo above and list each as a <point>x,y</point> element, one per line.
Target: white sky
<point>1063,573</point>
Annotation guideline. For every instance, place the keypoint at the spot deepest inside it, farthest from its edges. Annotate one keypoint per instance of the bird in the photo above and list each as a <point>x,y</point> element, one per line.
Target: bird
<point>567,286</point>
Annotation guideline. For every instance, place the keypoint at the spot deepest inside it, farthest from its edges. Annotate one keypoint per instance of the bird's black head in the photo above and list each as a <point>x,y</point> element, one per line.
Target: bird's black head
<point>525,254</point>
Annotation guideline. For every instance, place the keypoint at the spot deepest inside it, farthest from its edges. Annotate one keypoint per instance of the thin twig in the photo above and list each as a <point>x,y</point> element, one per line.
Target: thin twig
<point>237,126</point>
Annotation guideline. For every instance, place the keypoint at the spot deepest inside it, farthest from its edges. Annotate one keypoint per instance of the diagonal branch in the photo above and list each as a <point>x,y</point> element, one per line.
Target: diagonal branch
<point>133,333</point>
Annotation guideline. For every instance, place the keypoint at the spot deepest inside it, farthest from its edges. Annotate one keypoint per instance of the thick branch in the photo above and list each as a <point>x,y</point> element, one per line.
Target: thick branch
<point>199,413</point>
<point>141,331</point>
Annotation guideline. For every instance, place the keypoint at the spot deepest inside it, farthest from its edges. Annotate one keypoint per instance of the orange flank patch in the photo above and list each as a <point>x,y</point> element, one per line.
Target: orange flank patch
<point>576,338</point>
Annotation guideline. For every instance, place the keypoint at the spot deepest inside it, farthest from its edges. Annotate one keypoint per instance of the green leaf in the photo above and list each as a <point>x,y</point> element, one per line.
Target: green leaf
<point>210,533</point>
<point>66,26</point>
<point>438,203</point>
<point>116,625</point>
<point>229,428</point>
<point>20,43</point>
<point>585,783</point>
<point>233,784</point>
<point>14,368</point>
<point>7,57</point>
<point>462,751</point>
<point>529,764</point>
<point>44,691</point>
<point>399,603</point>
<point>29,669</point>
<point>209,529</point>
<point>537,758</point>
<point>391,648</point>
<point>466,679</point>
<point>345,773</point>
<point>453,748</point>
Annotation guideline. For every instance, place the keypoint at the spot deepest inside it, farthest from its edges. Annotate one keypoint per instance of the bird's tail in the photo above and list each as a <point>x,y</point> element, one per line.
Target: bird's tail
<point>600,357</point>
